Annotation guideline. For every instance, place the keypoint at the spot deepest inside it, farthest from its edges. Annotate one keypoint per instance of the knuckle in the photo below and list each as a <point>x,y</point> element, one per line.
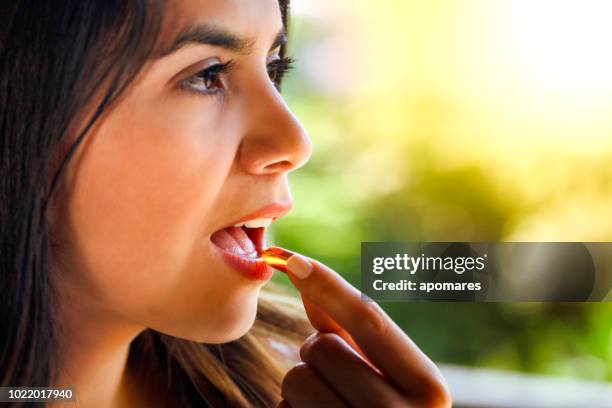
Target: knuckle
<point>374,317</point>
<point>445,400</point>
<point>322,345</point>
<point>438,397</point>
<point>294,379</point>
<point>392,402</point>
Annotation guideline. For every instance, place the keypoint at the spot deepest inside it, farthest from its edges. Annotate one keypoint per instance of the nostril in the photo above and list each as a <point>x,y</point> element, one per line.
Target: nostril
<point>274,144</point>
<point>283,165</point>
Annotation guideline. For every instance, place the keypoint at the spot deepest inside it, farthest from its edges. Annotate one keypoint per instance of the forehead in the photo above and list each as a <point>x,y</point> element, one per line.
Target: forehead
<point>247,18</point>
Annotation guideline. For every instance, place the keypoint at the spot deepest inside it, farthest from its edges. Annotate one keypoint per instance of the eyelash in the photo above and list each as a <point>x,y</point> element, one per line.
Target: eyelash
<point>276,71</point>
<point>283,65</point>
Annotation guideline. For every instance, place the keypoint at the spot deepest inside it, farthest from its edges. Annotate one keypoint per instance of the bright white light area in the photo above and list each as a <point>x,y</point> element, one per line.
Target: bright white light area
<point>304,7</point>
<point>565,43</point>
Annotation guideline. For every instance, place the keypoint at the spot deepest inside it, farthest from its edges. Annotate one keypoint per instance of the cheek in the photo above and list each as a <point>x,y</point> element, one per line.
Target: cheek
<point>139,203</point>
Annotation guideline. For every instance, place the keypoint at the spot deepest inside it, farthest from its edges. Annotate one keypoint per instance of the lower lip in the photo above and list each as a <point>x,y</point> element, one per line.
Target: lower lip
<point>252,268</point>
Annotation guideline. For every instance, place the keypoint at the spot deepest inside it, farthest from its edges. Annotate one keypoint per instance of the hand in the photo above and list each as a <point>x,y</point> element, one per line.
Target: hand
<point>359,357</point>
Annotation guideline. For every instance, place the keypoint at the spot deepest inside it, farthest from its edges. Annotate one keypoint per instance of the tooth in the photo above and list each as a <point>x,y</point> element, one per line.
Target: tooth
<point>239,225</point>
<point>258,223</point>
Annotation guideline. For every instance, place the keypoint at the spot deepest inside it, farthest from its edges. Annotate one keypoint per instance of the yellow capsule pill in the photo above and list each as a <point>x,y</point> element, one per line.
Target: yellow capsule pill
<point>276,257</point>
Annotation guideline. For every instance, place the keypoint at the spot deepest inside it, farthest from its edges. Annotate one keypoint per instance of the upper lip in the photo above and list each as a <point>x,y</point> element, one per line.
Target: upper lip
<point>274,211</point>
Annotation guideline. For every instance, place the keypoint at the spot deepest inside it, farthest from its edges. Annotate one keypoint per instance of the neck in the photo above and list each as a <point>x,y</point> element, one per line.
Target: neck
<point>93,345</point>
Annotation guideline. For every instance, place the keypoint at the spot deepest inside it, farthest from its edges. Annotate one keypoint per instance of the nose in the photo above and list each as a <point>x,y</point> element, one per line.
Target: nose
<point>274,141</point>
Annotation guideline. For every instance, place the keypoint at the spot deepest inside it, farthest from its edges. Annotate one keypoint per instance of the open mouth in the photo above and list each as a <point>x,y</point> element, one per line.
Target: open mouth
<point>241,245</point>
<point>240,240</point>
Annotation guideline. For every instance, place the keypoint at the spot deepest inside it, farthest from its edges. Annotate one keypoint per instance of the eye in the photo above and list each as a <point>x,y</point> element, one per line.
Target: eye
<point>278,68</point>
<point>208,80</point>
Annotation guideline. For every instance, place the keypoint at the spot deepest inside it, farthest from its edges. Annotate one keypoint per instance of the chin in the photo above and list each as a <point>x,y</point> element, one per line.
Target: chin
<point>228,323</point>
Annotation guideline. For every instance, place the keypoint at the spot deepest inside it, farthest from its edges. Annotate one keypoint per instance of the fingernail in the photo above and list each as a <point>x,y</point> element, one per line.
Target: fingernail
<point>299,266</point>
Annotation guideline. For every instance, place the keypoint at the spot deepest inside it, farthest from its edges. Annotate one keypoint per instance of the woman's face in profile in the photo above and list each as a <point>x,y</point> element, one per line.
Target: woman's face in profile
<point>200,141</point>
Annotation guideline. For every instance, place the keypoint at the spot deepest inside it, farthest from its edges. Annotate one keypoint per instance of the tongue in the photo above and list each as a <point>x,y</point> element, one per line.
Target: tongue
<point>234,239</point>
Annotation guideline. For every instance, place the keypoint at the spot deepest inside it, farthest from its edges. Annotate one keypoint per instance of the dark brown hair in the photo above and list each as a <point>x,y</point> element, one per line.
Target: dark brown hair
<point>55,58</point>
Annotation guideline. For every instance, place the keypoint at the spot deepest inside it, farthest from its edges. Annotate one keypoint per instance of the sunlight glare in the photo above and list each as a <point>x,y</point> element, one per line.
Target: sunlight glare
<point>564,43</point>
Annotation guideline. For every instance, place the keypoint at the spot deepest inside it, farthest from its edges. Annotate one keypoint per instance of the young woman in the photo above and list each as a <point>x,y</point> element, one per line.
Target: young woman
<point>145,147</point>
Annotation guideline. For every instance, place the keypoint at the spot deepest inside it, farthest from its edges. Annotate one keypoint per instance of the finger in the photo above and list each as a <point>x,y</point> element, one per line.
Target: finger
<point>342,368</point>
<point>303,388</point>
<point>283,404</point>
<point>382,341</point>
<point>325,324</point>
<point>319,319</point>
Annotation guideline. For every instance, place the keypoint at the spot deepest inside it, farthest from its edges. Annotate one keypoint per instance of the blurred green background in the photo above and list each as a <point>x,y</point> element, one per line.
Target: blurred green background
<point>465,120</point>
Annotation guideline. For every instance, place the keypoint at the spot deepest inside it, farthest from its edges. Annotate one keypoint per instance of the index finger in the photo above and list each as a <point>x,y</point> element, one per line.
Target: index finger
<point>325,324</point>
<point>382,341</point>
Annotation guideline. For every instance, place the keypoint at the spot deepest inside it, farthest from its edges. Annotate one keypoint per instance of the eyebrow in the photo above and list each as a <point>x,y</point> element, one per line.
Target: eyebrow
<point>209,34</point>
